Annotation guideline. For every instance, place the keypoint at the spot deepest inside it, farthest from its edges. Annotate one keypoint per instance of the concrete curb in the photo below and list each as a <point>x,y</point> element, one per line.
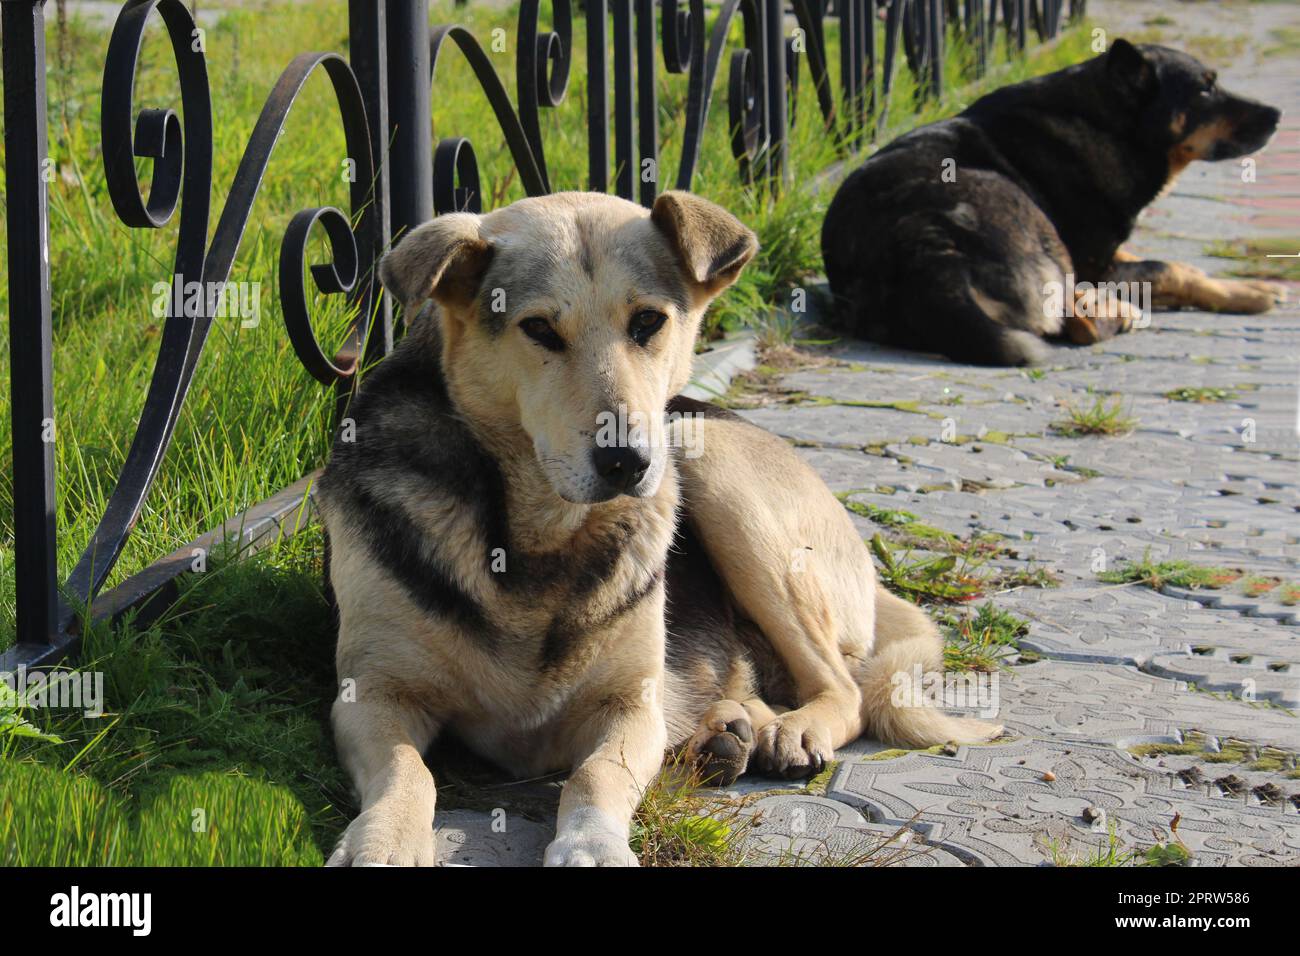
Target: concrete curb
<point>714,369</point>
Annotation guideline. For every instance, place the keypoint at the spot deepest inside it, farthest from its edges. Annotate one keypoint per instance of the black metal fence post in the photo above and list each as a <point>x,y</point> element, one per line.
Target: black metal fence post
<point>597,96</point>
<point>410,160</point>
<point>776,106</point>
<point>624,155</point>
<point>27,168</point>
<point>647,101</point>
<point>368,48</point>
<point>935,43</point>
<point>867,12</point>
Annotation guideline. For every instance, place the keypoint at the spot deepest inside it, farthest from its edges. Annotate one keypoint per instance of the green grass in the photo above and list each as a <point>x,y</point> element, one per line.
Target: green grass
<point>1156,574</point>
<point>1110,854</point>
<point>1113,853</point>
<point>981,641</point>
<point>49,818</point>
<point>1101,418</point>
<point>235,681</point>
<point>1201,396</point>
<point>1286,42</point>
<point>1251,257</point>
<point>222,704</point>
<point>209,819</point>
<point>944,579</point>
<point>1184,574</point>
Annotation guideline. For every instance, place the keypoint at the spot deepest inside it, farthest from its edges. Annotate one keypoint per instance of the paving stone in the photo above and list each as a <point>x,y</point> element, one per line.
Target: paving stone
<point>1237,673</point>
<point>1001,804</point>
<point>1123,707</point>
<point>1123,666</point>
<point>839,425</point>
<point>813,830</point>
<point>853,470</point>
<point>472,838</point>
<point>982,464</point>
<point>843,384</point>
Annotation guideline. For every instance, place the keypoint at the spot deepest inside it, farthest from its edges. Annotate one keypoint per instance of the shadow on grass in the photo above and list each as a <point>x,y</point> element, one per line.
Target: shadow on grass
<point>234,682</point>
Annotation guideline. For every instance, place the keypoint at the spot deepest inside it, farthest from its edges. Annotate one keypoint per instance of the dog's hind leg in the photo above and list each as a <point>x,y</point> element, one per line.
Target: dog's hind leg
<point>1175,285</point>
<point>795,567</point>
<point>975,286</point>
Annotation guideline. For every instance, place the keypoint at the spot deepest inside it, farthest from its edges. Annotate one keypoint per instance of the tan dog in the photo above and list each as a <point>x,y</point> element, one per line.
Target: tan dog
<point>502,519</point>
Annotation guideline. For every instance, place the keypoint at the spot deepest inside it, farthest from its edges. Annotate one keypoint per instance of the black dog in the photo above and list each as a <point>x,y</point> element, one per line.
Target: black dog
<point>961,237</point>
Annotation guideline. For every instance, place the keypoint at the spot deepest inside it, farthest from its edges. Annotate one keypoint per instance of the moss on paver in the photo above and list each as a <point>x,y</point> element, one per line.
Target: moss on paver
<point>1260,258</point>
<point>821,782</point>
<point>1163,749</point>
<point>1184,574</point>
<point>1229,750</point>
<point>1157,574</point>
<point>894,752</point>
<point>1286,43</point>
<point>1200,395</point>
<point>905,528</point>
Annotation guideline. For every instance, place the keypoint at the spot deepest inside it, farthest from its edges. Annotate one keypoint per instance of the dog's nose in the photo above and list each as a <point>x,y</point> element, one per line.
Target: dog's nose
<point>620,466</point>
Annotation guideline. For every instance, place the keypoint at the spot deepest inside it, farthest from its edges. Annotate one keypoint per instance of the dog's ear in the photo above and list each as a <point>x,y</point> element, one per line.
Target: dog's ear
<point>444,259</point>
<point>1129,70</point>
<point>712,244</point>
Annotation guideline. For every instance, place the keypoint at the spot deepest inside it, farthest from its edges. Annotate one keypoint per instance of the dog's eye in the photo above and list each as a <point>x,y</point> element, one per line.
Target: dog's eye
<point>644,325</point>
<point>540,331</point>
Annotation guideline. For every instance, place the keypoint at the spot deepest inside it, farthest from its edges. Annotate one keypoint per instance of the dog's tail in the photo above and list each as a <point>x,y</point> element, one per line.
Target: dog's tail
<point>967,334</point>
<point>940,311</point>
<point>907,643</point>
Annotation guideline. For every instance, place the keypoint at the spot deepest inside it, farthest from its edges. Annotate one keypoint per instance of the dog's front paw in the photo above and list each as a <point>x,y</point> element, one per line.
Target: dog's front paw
<point>590,837</point>
<point>386,835</point>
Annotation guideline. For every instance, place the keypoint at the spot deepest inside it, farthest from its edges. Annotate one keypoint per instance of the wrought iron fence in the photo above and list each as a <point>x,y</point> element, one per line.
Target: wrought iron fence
<point>384,96</point>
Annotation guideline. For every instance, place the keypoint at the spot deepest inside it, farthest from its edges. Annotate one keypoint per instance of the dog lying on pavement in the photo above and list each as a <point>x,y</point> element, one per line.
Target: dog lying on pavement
<point>562,598</point>
<point>953,237</point>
